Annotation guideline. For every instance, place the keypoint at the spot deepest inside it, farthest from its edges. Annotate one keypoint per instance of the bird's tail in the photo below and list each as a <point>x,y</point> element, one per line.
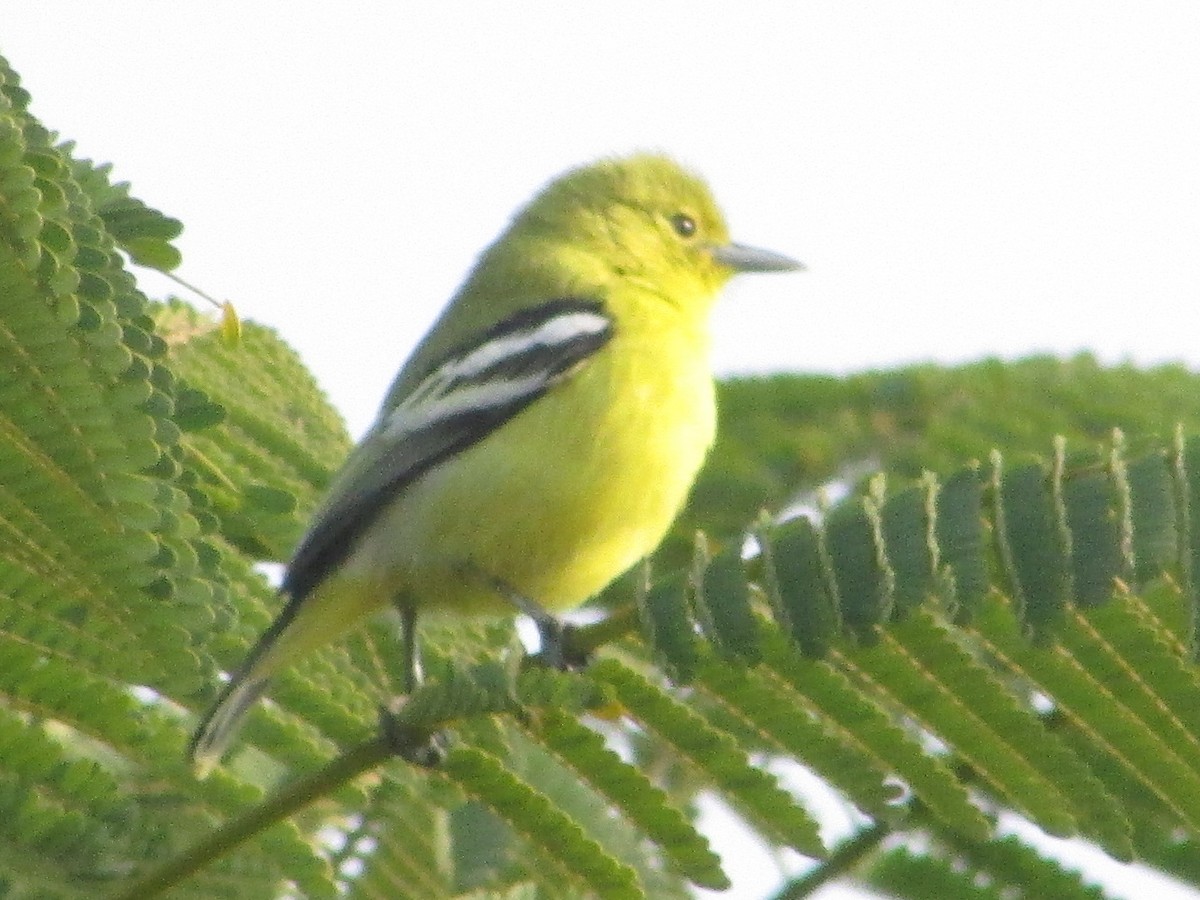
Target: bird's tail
<point>248,683</point>
<point>301,627</point>
<point>222,721</point>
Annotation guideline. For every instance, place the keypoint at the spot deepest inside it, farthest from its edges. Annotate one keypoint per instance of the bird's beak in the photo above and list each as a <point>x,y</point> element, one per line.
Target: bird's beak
<point>741,258</point>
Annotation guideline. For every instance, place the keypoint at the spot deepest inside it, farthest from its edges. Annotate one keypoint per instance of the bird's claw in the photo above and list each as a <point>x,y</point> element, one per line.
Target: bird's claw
<point>417,746</point>
<point>559,651</point>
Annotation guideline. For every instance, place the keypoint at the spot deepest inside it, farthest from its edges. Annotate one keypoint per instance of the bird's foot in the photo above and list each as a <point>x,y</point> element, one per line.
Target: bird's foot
<point>559,651</point>
<point>417,746</point>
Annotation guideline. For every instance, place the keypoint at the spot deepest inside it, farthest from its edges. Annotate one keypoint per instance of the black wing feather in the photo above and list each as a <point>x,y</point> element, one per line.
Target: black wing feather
<point>363,494</point>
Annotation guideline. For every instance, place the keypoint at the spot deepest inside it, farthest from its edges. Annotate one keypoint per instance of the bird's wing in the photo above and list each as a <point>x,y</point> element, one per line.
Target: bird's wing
<point>466,397</point>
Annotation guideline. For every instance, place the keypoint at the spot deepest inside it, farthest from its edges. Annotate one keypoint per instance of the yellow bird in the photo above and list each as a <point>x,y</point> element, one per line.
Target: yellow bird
<point>542,437</point>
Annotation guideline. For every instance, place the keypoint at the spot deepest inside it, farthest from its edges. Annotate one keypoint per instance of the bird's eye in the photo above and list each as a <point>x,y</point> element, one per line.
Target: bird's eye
<point>684,225</point>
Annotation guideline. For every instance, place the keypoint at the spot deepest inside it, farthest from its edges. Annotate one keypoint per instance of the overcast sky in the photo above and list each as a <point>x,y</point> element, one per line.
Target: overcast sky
<point>960,179</point>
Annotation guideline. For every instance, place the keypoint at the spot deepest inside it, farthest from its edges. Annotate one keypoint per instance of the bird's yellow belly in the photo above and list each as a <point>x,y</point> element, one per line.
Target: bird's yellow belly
<point>555,504</point>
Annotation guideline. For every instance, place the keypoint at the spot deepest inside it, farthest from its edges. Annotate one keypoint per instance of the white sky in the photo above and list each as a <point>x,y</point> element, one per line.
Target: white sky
<point>960,179</point>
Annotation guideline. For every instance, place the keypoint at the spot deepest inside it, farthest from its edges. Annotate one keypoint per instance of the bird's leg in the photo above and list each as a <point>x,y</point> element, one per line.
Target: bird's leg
<point>420,747</point>
<point>414,674</point>
<point>557,651</point>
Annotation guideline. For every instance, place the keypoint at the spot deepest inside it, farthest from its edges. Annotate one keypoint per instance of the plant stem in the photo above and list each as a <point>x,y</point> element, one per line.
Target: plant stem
<point>294,797</point>
<point>843,859</point>
<point>325,781</point>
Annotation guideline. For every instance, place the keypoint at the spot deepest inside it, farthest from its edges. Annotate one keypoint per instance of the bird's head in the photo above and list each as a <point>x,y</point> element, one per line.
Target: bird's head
<point>642,221</point>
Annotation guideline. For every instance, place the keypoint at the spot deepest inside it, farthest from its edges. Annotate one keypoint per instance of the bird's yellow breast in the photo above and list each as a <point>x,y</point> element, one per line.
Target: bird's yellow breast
<point>564,497</point>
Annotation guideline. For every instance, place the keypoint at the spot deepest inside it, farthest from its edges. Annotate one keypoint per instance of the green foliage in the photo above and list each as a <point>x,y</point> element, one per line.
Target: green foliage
<point>1006,623</point>
<point>986,871</point>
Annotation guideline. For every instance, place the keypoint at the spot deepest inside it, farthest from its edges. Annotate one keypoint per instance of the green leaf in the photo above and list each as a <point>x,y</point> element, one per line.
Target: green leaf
<point>152,253</point>
<point>722,600</point>
<point>865,583</point>
<point>715,753</point>
<point>634,795</point>
<point>529,812</point>
<point>1090,705</point>
<point>666,626</point>
<point>862,722</point>
<point>1034,544</point>
<point>950,658</point>
<point>959,506</point>
<point>799,581</point>
<point>962,720</point>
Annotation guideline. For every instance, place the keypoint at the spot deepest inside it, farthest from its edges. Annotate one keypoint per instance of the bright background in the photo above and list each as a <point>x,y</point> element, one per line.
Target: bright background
<point>961,180</point>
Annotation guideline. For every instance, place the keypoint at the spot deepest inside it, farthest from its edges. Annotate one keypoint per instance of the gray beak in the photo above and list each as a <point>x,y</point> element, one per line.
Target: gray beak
<point>741,258</point>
